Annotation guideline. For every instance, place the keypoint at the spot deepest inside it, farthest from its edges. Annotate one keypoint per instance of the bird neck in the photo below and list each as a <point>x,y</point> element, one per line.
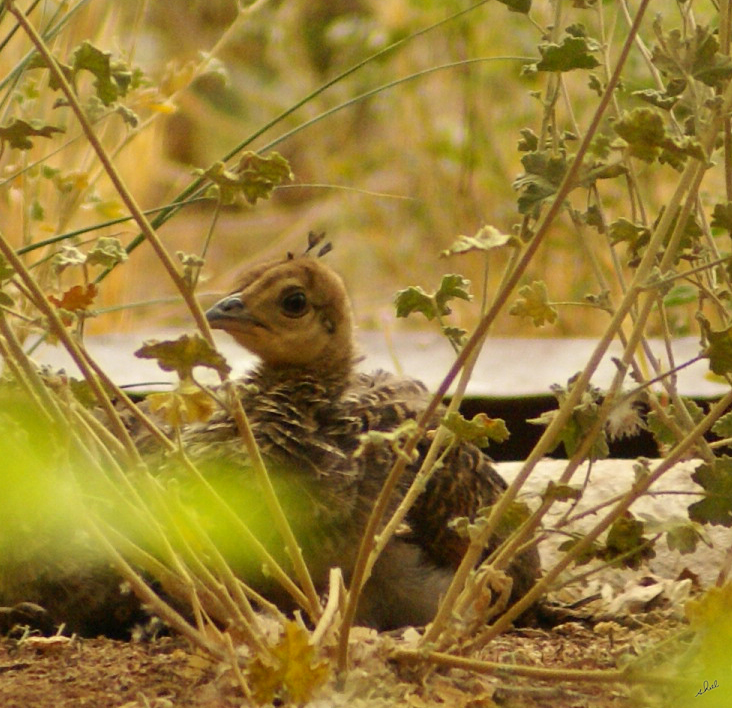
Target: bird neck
<point>332,376</point>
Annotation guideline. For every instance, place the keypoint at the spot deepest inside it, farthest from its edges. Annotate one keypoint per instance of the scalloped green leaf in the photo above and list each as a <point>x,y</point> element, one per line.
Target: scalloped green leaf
<point>722,216</point>
<point>561,492</point>
<point>522,6</point>
<point>572,53</point>
<point>533,302</point>
<point>415,299</point>
<point>644,130</point>
<point>723,426</point>
<point>112,78</point>
<point>480,430</point>
<point>719,350</point>
<point>108,252</point>
<point>626,537</point>
<point>716,480</point>
<point>18,133</point>
<point>485,239</point>
<point>254,178</point>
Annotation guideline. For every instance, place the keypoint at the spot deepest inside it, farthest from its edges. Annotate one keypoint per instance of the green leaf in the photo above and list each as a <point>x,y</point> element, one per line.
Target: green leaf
<point>192,265</point>
<point>595,84</point>
<point>716,479</point>
<point>516,513</point>
<point>38,62</point>
<point>18,133</point>
<point>644,130</point>
<point>722,216</point>
<point>534,302</point>
<point>486,239</point>
<point>37,212</point>
<point>68,256</point>
<point>522,6</point>
<point>6,270</point>
<point>594,217</point>
<point>601,145</point>
<point>83,393</point>
<point>681,295</point>
<point>128,116</point>
<point>719,349</point>
<point>183,354</point>
<point>575,431</point>
<point>395,439</point>
<point>675,152</point>
<point>457,335</point>
<point>108,252</point>
<point>681,534</point>
<point>255,177</point>
<point>660,99</point>
<point>626,536</point>
<point>113,79</point>
<point>561,492</point>
<point>543,174</point>
<point>529,141</point>
<point>723,426</point>
<point>415,299</point>
<point>709,65</point>
<point>660,282</point>
<point>600,300</point>
<point>664,435</point>
<point>683,538</point>
<point>626,231</point>
<point>586,556</point>
<point>452,286</point>
<point>600,170</point>
<point>584,416</point>
<point>572,53</point>
<point>698,56</point>
<point>480,430</point>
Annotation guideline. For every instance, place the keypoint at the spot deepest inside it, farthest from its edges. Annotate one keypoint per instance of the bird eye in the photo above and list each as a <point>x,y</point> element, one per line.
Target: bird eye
<point>294,304</point>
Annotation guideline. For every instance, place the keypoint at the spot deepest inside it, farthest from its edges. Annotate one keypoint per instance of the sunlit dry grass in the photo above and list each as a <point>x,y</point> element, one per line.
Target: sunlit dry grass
<point>392,179</point>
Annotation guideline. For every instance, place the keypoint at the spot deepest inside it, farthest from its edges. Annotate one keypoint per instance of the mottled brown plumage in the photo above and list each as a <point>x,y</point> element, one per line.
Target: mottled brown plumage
<point>309,407</point>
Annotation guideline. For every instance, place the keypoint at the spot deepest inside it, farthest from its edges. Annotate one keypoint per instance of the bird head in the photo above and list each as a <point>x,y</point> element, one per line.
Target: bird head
<point>291,313</point>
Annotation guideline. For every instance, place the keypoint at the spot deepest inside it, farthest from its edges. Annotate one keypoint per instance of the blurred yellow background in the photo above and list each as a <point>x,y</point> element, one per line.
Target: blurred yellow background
<point>392,180</point>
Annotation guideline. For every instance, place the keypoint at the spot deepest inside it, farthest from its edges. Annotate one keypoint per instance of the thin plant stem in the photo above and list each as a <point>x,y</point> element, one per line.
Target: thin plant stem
<point>26,374</point>
<point>546,441</point>
<point>119,184</point>
<point>280,519</point>
<point>80,359</point>
<point>637,489</point>
<point>187,294</point>
<point>538,673</point>
<point>159,606</point>
<point>197,187</point>
<point>689,179</point>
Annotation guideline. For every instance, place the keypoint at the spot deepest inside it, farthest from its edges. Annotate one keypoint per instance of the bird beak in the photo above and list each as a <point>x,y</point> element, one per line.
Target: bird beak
<point>226,312</point>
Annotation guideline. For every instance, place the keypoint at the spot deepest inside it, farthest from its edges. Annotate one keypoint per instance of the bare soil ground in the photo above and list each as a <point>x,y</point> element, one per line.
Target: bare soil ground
<point>167,673</point>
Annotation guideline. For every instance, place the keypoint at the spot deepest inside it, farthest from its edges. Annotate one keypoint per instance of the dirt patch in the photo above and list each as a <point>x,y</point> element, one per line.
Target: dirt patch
<point>167,673</point>
<point>102,673</point>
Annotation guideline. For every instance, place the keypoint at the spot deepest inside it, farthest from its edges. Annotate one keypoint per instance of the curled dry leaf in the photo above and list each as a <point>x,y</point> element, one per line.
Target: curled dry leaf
<point>292,672</point>
<point>183,354</point>
<point>76,299</point>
